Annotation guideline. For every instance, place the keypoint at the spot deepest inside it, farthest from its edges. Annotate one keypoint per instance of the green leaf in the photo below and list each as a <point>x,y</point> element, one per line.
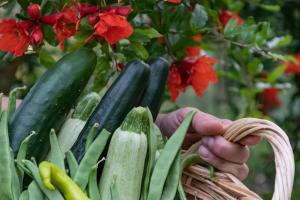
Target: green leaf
<point>140,50</point>
<point>45,58</point>
<point>279,42</point>
<point>148,32</point>
<point>102,73</point>
<point>49,35</point>
<point>230,27</point>
<point>254,66</point>
<point>270,7</point>
<point>276,73</point>
<point>50,6</point>
<point>23,3</point>
<point>262,33</point>
<point>199,17</point>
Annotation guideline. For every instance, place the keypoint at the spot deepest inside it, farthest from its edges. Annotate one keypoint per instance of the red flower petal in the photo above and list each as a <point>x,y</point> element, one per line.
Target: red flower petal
<point>174,1</point>
<point>112,27</point>
<point>36,37</point>
<point>65,25</point>
<point>174,83</point>
<point>293,67</point>
<point>270,99</point>
<point>202,74</point>
<point>225,17</point>
<point>120,10</point>
<point>194,51</point>
<point>13,37</point>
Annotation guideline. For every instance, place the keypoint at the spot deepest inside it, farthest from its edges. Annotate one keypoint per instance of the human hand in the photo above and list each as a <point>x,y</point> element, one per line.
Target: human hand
<point>225,156</point>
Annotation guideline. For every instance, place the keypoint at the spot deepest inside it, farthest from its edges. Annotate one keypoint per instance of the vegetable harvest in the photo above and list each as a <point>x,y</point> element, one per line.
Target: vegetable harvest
<point>48,102</point>
<point>109,149</point>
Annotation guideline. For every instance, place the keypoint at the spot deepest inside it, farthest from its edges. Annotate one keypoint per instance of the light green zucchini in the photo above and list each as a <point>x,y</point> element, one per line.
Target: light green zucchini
<point>126,157</point>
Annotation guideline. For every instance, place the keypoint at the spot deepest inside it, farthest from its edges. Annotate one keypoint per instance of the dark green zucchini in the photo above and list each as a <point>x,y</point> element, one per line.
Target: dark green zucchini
<point>121,97</point>
<point>49,100</point>
<point>154,92</point>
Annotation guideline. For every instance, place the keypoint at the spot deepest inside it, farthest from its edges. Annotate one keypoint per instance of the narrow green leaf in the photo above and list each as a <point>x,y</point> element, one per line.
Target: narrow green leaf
<point>5,160</point>
<point>72,163</point>
<point>254,67</point>
<point>140,50</point>
<point>276,73</point>
<point>269,7</point>
<point>45,58</point>
<point>56,155</point>
<point>230,27</point>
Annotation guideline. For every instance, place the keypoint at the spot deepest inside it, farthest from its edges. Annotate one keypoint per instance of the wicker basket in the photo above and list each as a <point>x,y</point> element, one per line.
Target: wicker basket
<point>196,179</point>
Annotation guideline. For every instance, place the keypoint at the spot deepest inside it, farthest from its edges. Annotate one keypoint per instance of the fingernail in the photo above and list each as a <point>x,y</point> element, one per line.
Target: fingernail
<point>209,141</point>
<point>204,153</point>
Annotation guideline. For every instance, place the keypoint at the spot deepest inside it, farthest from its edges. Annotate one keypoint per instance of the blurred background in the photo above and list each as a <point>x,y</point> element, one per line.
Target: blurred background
<point>249,85</point>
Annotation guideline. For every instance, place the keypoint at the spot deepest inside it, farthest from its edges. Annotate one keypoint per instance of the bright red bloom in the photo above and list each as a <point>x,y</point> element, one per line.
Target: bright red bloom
<point>36,36</point>
<point>34,11</point>
<point>14,36</point>
<point>65,25</point>
<point>174,1</point>
<point>194,51</point>
<point>119,10</point>
<point>190,71</point>
<point>293,67</point>
<point>269,99</point>
<point>225,16</point>
<point>112,27</point>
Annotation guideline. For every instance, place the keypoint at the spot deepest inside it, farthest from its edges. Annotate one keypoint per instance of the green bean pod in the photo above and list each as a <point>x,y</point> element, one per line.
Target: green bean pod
<point>90,159</point>
<point>187,161</point>
<point>22,155</point>
<point>5,160</point>
<point>166,159</point>
<point>34,172</point>
<point>72,163</point>
<point>93,190</point>
<point>24,195</point>
<point>171,185</point>
<point>56,155</point>
<point>34,192</point>
<point>12,102</point>
<point>53,177</point>
<point>150,159</point>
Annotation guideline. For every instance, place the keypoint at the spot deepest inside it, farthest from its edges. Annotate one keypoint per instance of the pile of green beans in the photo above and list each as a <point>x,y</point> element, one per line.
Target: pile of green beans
<point>62,177</point>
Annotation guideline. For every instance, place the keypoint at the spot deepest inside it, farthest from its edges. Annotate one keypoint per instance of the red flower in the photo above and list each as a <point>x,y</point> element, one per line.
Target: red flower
<point>34,11</point>
<point>194,51</point>
<point>112,27</point>
<point>14,36</point>
<point>190,71</point>
<point>65,25</point>
<point>36,36</point>
<point>293,67</point>
<point>269,99</point>
<point>225,16</point>
<point>174,1</point>
<point>119,10</point>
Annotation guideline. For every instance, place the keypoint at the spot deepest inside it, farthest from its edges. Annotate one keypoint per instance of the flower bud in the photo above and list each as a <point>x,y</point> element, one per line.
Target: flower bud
<point>36,36</point>
<point>34,11</point>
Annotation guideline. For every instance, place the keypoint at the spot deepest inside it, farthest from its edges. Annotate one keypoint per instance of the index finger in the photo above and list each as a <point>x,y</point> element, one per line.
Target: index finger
<point>208,125</point>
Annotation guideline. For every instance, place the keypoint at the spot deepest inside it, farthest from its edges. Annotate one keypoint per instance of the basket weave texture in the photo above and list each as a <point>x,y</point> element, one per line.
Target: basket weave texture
<point>198,183</point>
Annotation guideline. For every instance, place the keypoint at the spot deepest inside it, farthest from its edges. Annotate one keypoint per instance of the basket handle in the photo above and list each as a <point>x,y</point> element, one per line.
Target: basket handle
<point>284,158</point>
